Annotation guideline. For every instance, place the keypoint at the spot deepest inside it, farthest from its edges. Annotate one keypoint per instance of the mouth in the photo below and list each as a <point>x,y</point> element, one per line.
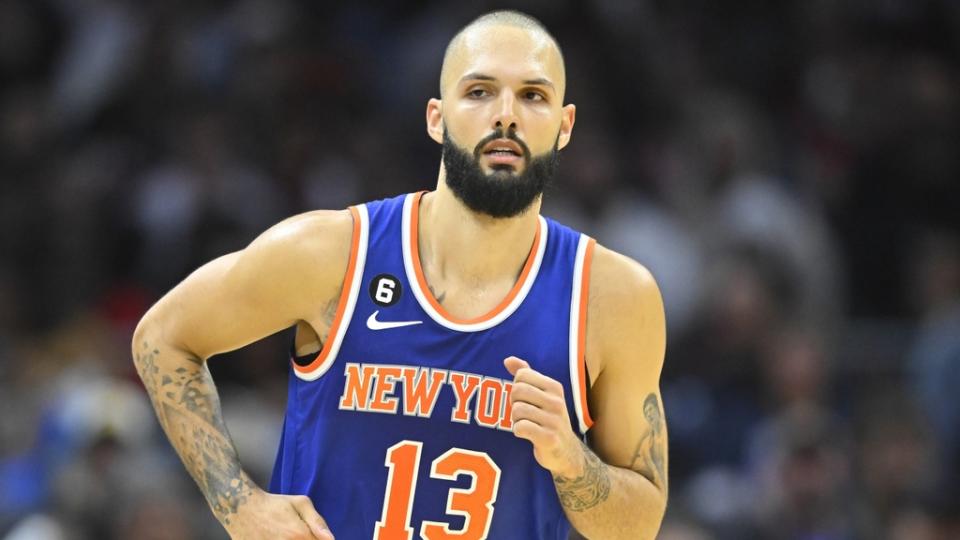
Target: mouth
<point>502,152</point>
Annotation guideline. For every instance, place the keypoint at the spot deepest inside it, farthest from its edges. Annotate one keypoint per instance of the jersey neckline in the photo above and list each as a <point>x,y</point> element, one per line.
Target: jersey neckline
<point>418,283</point>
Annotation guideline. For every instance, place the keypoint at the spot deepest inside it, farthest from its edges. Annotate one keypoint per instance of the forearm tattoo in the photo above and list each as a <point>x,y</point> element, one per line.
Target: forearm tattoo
<point>649,457</point>
<point>189,411</point>
<point>589,489</point>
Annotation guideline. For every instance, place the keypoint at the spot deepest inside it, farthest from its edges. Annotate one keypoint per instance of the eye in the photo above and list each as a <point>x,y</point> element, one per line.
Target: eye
<point>476,93</point>
<point>532,95</point>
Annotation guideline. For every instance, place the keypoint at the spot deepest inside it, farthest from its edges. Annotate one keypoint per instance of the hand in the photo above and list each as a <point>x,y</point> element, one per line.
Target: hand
<point>539,415</point>
<point>287,517</point>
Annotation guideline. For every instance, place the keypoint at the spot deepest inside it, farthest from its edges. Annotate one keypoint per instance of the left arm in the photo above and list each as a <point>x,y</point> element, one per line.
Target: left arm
<point>616,487</point>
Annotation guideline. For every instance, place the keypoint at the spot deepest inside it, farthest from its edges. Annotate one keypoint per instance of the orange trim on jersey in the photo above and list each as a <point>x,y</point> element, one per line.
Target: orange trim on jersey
<point>344,298</point>
<point>582,332</point>
<point>425,289</point>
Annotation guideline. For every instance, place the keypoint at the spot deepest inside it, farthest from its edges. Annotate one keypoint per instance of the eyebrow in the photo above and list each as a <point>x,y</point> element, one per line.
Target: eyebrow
<point>540,81</point>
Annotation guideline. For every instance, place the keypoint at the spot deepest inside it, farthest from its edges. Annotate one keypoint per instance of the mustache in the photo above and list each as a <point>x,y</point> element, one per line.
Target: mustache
<point>499,134</point>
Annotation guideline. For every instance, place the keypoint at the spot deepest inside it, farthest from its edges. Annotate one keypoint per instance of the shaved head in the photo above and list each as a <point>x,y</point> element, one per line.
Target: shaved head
<point>479,29</point>
<point>500,118</point>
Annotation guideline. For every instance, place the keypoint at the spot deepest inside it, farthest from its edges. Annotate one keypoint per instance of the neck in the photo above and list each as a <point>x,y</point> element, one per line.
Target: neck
<point>468,247</point>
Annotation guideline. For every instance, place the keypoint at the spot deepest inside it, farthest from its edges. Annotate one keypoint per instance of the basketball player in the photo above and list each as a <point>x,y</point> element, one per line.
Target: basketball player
<point>463,367</point>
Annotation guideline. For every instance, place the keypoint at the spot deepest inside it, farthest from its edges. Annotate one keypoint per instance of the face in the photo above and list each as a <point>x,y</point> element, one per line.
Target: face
<point>501,119</point>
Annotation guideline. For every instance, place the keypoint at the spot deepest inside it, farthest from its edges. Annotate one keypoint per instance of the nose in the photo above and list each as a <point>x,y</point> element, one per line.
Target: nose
<point>506,116</point>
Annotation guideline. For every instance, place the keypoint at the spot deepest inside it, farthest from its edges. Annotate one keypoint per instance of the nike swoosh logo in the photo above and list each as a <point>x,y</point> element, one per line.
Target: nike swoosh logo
<point>374,324</point>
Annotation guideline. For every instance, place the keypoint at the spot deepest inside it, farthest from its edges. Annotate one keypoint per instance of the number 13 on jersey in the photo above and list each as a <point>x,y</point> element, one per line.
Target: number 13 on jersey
<point>475,503</point>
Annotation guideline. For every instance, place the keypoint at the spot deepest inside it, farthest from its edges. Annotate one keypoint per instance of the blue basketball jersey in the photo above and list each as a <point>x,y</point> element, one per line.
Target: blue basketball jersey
<point>400,427</point>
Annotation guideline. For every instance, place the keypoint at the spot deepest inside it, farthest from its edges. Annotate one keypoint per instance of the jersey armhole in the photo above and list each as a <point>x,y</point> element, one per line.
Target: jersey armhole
<point>579,380</point>
<point>348,298</point>
<point>302,359</point>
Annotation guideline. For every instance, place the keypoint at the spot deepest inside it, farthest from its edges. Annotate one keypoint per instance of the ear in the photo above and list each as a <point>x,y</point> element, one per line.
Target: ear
<point>435,120</point>
<point>567,118</point>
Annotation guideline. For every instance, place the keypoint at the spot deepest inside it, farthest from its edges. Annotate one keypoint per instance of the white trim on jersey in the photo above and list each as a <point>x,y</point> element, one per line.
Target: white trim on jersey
<point>352,286</point>
<point>438,317</point>
<point>575,354</point>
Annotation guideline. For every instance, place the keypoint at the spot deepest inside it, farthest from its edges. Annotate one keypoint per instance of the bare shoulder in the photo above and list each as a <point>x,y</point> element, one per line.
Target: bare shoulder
<point>617,281</point>
<point>301,261</point>
<point>625,310</point>
<point>313,244</point>
<point>323,233</point>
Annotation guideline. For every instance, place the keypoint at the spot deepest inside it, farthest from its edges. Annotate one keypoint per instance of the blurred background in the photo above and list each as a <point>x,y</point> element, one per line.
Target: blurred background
<point>789,171</point>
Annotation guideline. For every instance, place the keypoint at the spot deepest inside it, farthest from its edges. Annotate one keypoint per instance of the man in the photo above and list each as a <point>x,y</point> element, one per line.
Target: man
<point>452,348</point>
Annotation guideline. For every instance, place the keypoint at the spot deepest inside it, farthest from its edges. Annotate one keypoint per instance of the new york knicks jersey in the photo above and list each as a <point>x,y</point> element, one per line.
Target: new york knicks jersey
<point>400,427</point>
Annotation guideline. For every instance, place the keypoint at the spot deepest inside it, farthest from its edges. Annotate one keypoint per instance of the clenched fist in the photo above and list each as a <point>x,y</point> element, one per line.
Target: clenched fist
<point>539,415</point>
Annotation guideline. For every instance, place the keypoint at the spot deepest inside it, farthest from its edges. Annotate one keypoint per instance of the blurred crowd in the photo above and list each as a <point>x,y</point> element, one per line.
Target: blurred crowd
<point>789,171</point>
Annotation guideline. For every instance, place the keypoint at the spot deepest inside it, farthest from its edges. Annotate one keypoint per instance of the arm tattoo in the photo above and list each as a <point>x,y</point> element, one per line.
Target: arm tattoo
<point>189,411</point>
<point>329,315</point>
<point>330,311</point>
<point>648,458</point>
<point>587,490</point>
<point>146,362</point>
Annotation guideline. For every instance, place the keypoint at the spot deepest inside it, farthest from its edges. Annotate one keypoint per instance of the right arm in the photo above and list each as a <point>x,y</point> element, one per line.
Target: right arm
<point>286,275</point>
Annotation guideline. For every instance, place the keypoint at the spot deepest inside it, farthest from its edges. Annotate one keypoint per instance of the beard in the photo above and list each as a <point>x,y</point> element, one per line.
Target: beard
<point>503,193</point>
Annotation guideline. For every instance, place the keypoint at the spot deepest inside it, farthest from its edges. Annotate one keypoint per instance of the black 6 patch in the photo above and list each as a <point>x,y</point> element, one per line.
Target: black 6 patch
<point>385,290</point>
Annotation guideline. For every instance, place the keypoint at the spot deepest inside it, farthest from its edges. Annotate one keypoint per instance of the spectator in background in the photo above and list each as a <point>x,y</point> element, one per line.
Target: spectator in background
<point>935,355</point>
